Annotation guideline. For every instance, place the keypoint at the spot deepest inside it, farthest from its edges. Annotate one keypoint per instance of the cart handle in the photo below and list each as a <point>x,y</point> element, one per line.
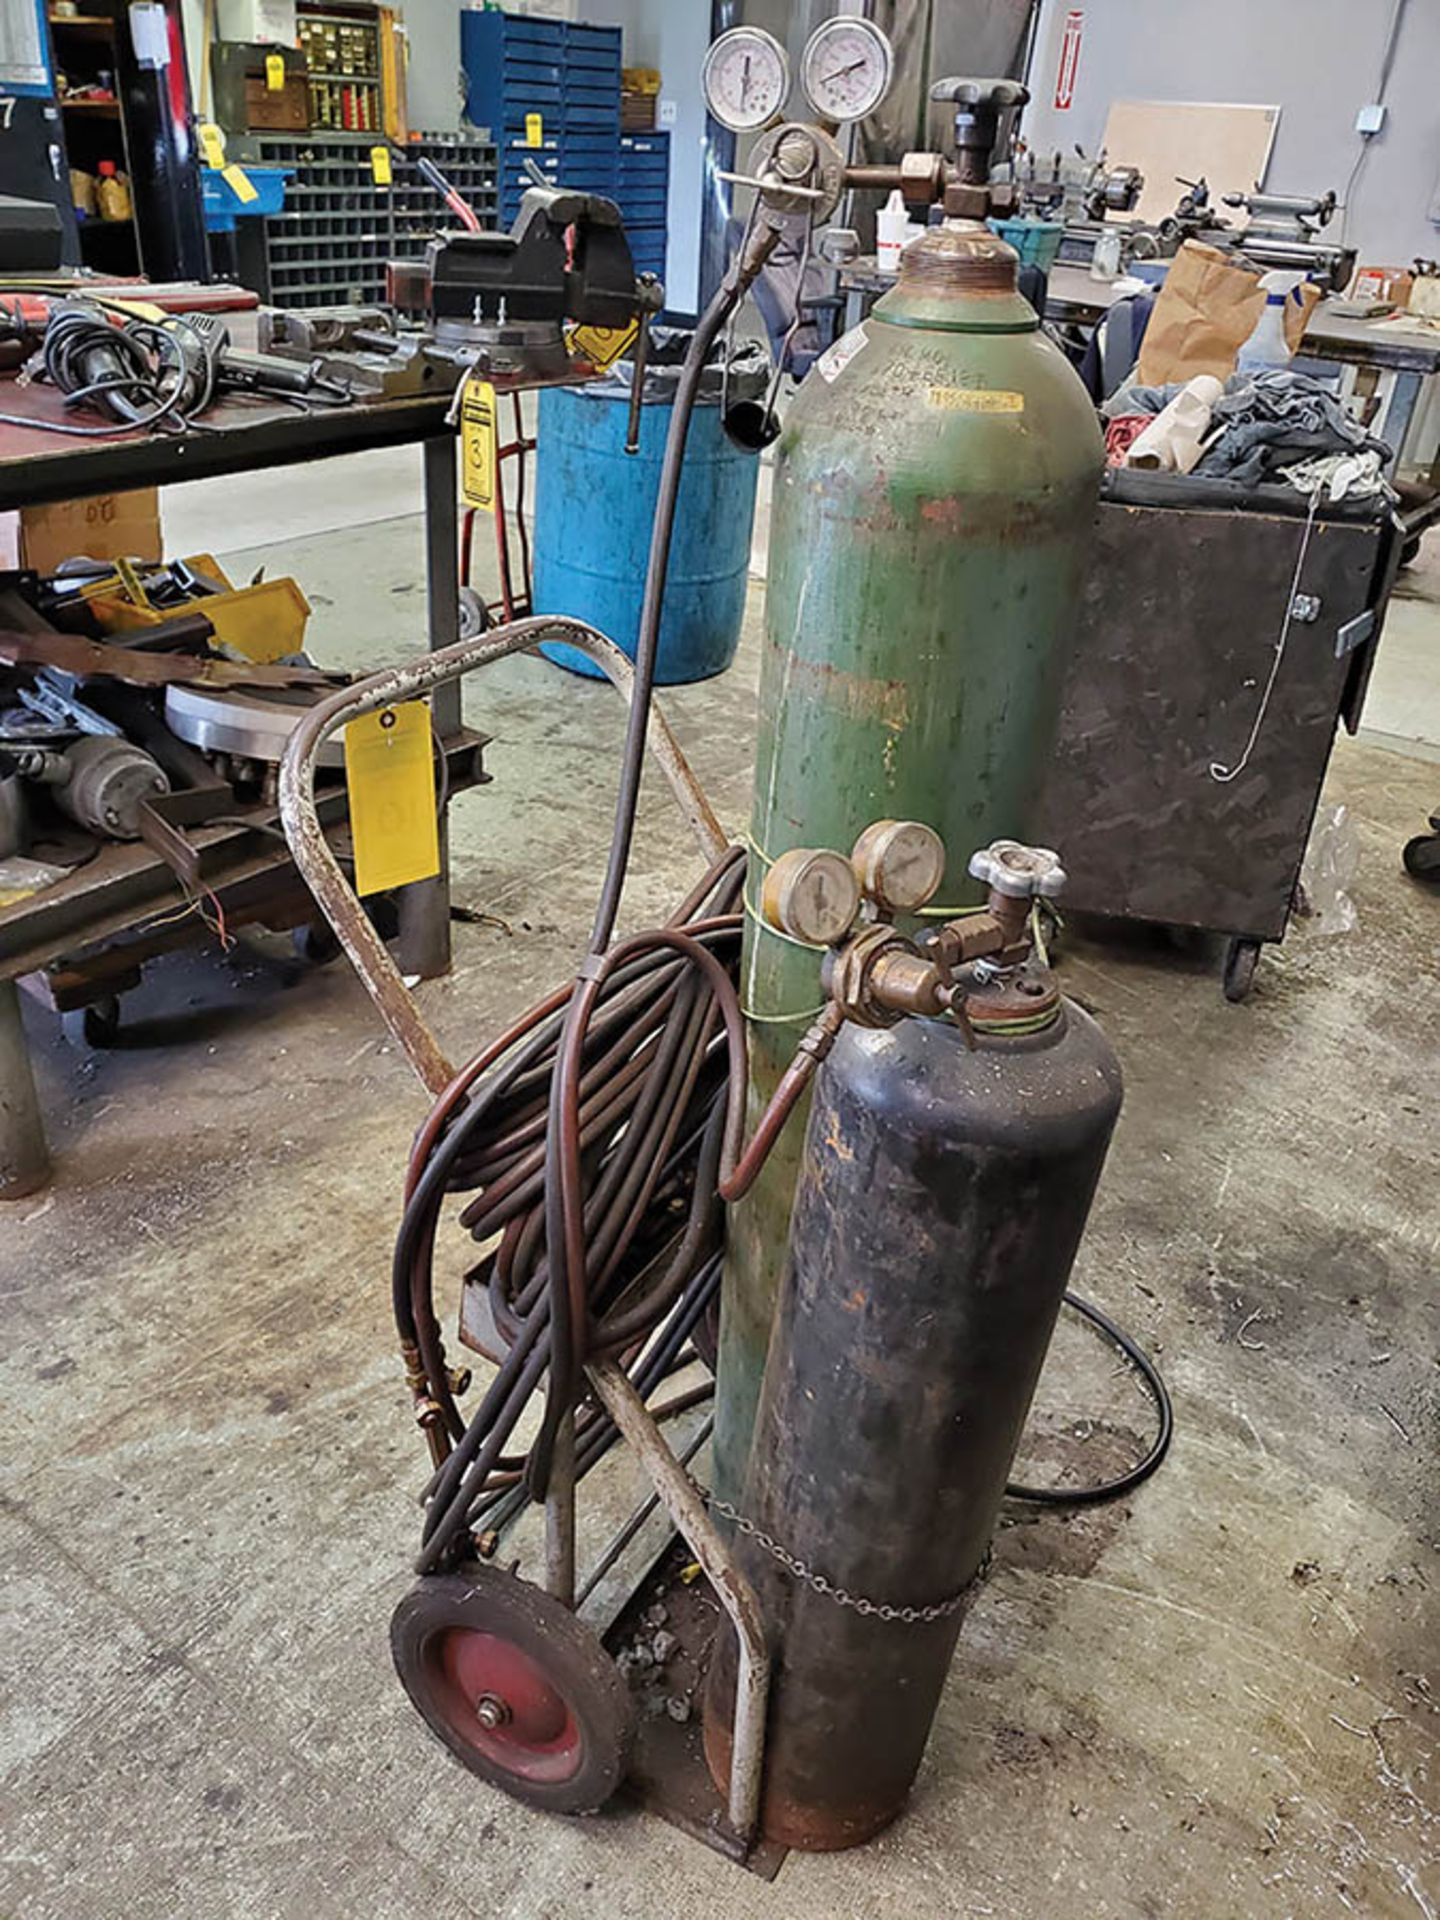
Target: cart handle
<point>320,869</point>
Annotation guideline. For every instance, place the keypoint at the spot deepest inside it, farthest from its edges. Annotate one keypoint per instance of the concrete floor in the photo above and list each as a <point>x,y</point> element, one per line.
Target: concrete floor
<point>1217,1699</point>
<point>1402,706</point>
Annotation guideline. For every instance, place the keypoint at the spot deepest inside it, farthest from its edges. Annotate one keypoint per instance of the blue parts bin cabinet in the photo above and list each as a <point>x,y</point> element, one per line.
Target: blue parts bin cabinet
<point>594,508</point>
<point>642,190</point>
<point>518,68</point>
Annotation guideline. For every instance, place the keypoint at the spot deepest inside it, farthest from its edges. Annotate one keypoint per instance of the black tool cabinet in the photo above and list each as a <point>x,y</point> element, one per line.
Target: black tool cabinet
<point>1183,605</point>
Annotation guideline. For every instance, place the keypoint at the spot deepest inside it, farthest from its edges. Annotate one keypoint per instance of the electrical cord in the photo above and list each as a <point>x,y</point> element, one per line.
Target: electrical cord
<point>141,374</point>
<point>1387,63</point>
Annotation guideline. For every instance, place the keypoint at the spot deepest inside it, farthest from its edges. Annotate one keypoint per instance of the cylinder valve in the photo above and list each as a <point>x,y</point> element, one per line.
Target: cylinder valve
<point>1017,871</point>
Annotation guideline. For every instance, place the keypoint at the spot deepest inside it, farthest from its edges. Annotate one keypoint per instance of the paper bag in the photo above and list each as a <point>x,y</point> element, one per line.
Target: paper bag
<point>1204,314</point>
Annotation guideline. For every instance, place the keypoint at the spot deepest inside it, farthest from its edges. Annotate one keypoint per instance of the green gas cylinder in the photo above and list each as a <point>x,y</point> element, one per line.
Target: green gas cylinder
<point>936,485</point>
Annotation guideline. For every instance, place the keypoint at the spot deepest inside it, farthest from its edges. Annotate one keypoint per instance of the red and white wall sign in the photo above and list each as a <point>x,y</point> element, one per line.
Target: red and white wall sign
<point>1069,58</point>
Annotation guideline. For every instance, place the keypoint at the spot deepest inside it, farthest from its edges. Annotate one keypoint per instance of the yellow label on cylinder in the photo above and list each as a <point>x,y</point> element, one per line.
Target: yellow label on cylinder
<point>390,771</point>
<point>380,166</point>
<point>534,129</point>
<point>976,400</point>
<point>477,445</point>
<point>275,72</point>
<point>212,144</point>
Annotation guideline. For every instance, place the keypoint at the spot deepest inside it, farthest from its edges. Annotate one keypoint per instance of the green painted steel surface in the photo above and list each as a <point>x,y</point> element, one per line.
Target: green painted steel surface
<point>935,488</point>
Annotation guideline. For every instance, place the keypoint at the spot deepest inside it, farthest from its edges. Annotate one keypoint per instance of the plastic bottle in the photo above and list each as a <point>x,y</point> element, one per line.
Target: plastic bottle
<point>112,192</point>
<point>1267,346</point>
<point>891,225</point>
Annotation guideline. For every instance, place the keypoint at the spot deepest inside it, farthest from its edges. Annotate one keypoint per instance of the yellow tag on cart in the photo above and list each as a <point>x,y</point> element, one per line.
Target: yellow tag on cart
<point>534,129</point>
<point>275,73</point>
<point>477,445</point>
<point>390,770</point>
<point>380,166</point>
<point>212,144</point>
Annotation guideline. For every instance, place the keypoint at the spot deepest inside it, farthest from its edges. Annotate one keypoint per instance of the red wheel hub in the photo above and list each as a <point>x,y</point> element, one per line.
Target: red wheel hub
<point>502,1703</point>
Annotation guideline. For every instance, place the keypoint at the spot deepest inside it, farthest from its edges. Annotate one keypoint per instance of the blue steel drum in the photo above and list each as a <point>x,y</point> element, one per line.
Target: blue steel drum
<point>594,505</point>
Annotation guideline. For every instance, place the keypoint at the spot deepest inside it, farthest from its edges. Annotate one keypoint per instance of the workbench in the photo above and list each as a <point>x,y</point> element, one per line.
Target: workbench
<point>1406,359</point>
<point>126,886</point>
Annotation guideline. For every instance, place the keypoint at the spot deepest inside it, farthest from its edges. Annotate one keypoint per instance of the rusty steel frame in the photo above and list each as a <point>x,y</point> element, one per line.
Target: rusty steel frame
<point>682,1500</point>
<point>386,986</point>
<point>411,681</point>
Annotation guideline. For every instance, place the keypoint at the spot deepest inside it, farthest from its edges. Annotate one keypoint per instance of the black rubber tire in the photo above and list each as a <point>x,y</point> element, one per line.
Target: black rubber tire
<point>1238,974</point>
<point>474,614</point>
<point>1422,857</point>
<point>97,1025</point>
<point>512,1621</point>
<point>316,943</point>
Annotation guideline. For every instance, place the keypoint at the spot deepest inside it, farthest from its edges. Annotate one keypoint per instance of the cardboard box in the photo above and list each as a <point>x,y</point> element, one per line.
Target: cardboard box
<point>108,526</point>
<point>1382,283</point>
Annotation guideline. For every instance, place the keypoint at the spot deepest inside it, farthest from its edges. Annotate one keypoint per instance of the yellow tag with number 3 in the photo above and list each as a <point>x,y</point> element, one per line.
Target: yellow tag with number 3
<point>390,771</point>
<point>477,445</point>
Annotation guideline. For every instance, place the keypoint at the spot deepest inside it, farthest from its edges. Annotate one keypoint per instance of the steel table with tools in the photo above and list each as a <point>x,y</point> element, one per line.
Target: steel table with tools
<point>127,885</point>
<point>1398,362</point>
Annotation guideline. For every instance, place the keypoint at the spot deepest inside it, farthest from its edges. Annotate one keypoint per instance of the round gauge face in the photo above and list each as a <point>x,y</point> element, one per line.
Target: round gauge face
<point>811,894</point>
<point>846,68</point>
<point>746,78</point>
<point>901,862</point>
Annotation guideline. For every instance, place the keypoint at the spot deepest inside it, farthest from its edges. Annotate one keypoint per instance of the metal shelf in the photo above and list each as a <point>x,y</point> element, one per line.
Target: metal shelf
<point>338,228</point>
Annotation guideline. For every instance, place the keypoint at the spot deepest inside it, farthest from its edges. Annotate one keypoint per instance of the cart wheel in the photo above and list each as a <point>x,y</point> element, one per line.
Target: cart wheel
<point>316,943</point>
<point>97,1025</point>
<point>516,1687</point>
<point>1238,974</point>
<point>474,614</point>
<point>1422,856</point>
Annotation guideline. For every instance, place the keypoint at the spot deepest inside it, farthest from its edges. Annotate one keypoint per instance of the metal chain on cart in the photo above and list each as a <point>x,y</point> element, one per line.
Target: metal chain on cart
<point>880,1609</point>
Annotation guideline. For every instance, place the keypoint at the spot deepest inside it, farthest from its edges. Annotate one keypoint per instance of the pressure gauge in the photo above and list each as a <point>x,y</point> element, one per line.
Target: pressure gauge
<point>746,77</point>
<point>899,864</point>
<point>846,68</point>
<point>812,895</point>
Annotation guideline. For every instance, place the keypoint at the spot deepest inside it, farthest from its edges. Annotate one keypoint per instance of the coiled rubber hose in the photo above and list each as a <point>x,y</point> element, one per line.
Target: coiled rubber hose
<point>656,1110</point>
